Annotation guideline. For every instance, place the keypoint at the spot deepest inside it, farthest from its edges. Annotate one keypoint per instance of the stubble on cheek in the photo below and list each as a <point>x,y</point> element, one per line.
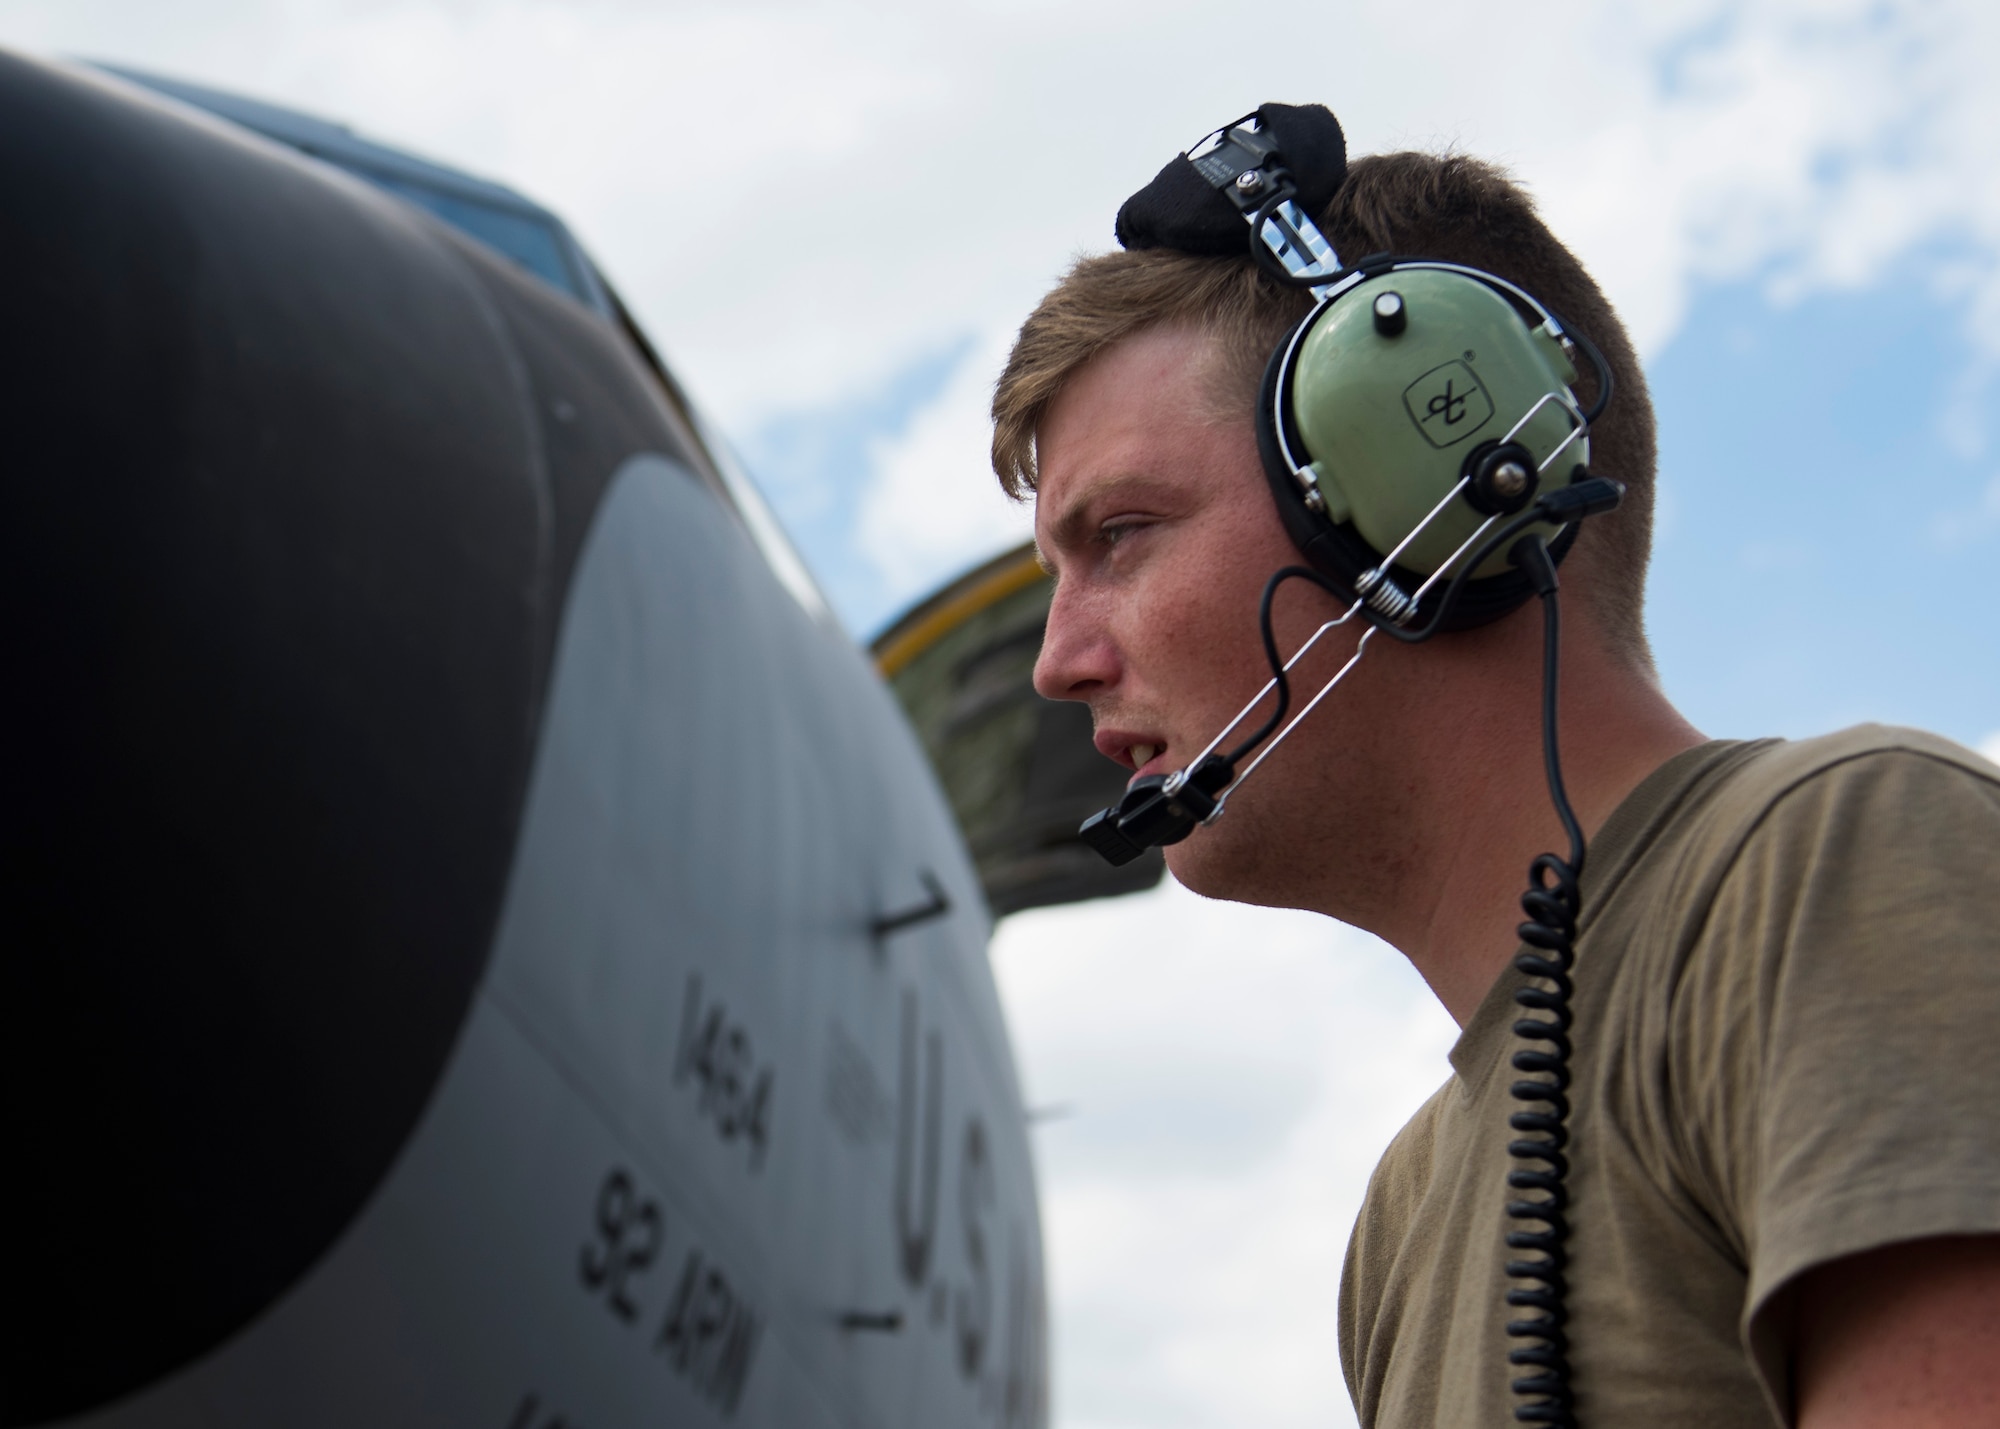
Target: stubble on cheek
<point>1236,860</point>
<point>1317,826</point>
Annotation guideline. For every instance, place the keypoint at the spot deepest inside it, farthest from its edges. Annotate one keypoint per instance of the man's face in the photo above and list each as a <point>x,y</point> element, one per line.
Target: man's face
<point>1154,514</point>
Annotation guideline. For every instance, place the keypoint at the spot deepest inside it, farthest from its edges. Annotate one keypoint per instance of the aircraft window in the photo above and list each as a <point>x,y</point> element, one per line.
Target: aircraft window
<point>529,241</point>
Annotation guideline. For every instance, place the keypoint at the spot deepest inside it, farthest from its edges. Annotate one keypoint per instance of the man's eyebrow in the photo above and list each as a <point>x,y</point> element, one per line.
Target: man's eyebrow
<point>1068,529</point>
<point>1072,526</point>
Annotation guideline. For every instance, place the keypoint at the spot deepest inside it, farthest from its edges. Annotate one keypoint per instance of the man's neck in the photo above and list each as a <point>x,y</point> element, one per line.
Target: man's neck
<point>1455,914</point>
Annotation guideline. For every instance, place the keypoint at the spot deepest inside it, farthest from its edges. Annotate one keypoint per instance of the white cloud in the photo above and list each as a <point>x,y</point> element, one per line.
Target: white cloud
<point>1990,746</point>
<point>800,199</point>
<point>932,507</point>
<point>1235,1073</point>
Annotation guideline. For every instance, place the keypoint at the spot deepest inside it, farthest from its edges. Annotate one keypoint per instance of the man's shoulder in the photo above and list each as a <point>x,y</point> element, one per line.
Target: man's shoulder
<point>1841,845</point>
<point>1858,752</point>
<point>1779,782</point>
<point>1403,1173</point>
<point>1886,814</point>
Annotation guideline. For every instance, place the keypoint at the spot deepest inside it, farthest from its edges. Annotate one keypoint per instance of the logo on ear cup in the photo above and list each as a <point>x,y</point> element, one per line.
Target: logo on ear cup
<point>1448,404</point>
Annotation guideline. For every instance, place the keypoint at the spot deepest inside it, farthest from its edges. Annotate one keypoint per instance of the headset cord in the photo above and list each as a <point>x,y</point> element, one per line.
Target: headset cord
<point>1553,903</point>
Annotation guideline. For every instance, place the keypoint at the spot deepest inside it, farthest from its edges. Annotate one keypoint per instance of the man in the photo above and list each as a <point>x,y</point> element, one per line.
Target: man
<point>1785,1165</point>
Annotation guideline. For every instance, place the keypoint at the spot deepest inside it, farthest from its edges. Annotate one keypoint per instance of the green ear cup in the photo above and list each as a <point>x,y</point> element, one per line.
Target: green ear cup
<point>1390,395</point>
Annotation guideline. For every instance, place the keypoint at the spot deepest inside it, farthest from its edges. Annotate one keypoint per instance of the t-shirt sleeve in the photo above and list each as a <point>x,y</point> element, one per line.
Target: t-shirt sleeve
<point>1838,1027</point>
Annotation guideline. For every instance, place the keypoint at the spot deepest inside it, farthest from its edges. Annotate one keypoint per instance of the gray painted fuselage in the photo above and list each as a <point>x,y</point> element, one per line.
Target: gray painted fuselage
<point>480,950</point>
<point>594,1223</point>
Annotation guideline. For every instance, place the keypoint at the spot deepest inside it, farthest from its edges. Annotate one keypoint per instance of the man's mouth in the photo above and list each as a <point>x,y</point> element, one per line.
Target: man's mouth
<point>1120,746</point>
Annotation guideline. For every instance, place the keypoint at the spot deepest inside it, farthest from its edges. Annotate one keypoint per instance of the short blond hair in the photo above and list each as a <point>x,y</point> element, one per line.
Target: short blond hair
<point>1444,206</point>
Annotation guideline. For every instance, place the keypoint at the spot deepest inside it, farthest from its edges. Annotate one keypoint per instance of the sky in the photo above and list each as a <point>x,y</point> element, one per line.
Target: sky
<point>831,219</point>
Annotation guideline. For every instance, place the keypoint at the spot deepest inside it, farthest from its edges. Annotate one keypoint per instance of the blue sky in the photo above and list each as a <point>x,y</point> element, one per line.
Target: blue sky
<point>811,463</point>
<point>1833,512</point>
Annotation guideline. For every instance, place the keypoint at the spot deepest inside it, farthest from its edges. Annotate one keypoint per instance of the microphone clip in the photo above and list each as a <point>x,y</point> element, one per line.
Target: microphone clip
<point>1158,810</point>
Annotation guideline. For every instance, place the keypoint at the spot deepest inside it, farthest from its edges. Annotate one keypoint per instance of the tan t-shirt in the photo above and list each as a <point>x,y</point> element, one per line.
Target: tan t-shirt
<point>1787,1050</point>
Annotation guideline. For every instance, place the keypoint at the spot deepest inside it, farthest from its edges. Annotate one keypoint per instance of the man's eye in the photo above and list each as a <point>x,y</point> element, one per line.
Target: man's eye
<point>1112,532</point>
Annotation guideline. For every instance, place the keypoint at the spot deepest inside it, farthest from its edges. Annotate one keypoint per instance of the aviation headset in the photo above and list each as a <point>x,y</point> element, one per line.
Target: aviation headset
<point>1430,460</point>
<point>1414,426</point>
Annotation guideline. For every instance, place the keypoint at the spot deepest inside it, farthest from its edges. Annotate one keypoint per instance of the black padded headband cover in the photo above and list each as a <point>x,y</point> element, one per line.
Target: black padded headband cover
<point>1180,209</point>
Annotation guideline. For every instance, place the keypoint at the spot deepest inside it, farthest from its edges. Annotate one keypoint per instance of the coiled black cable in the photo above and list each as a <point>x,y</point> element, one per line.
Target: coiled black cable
<point>1553,903</point>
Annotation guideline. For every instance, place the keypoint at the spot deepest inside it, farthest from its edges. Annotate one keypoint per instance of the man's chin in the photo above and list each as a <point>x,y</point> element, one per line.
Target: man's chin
<point>1217,862</point>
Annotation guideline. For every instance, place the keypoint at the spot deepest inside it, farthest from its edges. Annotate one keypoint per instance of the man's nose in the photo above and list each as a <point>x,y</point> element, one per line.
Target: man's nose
<point>1078,658</point>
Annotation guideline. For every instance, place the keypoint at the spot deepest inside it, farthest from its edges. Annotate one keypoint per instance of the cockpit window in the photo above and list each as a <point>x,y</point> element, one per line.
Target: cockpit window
<point>529,241</point>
